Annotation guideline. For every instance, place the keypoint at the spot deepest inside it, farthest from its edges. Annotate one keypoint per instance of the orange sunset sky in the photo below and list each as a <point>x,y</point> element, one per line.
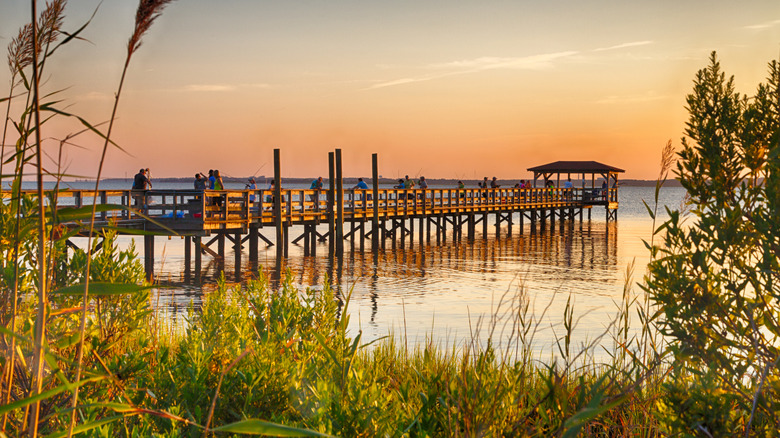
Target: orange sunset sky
<point>459,89</point>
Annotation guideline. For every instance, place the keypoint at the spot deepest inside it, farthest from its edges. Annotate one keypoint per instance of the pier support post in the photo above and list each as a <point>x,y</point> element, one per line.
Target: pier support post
<point>375,235</point>
<point>237,250</point>
<point>221,251</point>
<point>421,232</point>
<point>280,237</point>
<point>253,244</point>
<point>149,257</point>
<point>313,243</point>
<point>331,202</point>
<point>522,222</point>
<point>198,253</point>
<point>339,205</point>
<point>187,257</point>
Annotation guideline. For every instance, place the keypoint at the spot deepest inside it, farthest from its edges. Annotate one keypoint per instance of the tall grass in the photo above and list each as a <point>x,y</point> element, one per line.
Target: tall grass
<point>84,352</point>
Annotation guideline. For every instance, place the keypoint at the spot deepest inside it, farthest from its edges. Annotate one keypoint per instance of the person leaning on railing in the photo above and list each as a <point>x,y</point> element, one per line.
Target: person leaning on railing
<point>140,183</point>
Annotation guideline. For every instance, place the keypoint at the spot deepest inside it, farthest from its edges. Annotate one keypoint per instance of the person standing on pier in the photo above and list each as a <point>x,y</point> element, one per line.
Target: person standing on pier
<point>568,187</point>
<point>200,181</point>
<point>408,183</point>
<point>218,185</point>
<point>494,183</point>
<point>140,184</point>
<point>252,185</point>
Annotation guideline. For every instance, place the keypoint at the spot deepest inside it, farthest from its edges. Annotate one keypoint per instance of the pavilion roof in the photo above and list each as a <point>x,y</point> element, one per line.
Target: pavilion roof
<point>575,167</point>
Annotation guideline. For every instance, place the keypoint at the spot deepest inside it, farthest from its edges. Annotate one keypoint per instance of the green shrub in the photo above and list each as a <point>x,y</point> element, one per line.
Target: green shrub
<point>715,275</point>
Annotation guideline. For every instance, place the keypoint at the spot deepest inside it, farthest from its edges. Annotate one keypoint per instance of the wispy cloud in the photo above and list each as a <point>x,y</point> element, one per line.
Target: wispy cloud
<point>533,62</point>
<point>218,88</point>
<point>467,66</point>
<point>765,25</point>
<point>623,46</point>
<point>633,98</point>
<point>209,87</point>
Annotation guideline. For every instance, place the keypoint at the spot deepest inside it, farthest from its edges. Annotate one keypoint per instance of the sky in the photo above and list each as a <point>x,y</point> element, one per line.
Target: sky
<point>456,89</point>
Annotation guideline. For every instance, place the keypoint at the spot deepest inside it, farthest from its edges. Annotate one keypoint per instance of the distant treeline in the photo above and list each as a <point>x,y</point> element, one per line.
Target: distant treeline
<point>443,182</point>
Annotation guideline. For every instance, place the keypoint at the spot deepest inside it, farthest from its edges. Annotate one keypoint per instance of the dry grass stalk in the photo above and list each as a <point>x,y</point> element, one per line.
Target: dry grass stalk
<point>668,158</point>
<point>148,11</point>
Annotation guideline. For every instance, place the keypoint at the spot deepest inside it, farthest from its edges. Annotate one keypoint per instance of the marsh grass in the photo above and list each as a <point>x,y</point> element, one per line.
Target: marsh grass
<point>85,352</point>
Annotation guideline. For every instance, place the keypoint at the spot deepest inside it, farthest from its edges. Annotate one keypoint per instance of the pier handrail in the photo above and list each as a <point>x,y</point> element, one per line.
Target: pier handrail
<point>231,208</point>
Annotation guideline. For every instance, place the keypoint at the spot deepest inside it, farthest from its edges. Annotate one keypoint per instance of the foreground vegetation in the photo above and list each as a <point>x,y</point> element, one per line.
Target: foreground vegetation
<point>85,353</point>
<point>286,357</point>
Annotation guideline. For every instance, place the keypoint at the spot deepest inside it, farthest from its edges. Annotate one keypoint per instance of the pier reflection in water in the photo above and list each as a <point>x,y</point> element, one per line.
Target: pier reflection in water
<point>439,290</point>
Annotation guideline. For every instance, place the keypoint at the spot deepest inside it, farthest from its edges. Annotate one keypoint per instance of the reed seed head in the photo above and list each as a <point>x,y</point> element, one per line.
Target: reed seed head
<point>20,50</point>
<point>148,11</point>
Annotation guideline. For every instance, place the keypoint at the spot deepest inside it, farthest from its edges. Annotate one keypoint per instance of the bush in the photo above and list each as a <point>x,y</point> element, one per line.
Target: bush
<point>715,275</point>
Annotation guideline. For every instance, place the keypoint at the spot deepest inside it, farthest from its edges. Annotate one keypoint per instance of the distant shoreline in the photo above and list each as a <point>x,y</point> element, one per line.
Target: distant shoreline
<point>442,182</point>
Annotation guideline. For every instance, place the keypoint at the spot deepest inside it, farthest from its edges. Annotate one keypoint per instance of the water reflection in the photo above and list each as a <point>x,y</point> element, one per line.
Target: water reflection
<point>437,289</point>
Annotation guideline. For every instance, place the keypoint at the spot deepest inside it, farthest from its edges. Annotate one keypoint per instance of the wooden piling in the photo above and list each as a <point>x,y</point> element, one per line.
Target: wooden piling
<point>375,235</point>
<point>277,199</point>
<point>339,205</point>
<point>149,257</point>
<point>331,202</point>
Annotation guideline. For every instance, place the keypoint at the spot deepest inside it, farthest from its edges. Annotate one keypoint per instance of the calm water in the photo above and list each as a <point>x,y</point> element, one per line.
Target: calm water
<point>441,290</point>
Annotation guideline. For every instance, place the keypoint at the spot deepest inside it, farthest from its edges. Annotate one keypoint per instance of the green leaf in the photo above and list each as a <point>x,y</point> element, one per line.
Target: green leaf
<point>46,394</point>
<point>259,427</point>
<point>85,427</point>
<point>327,349</point>
<point>574,424</point>
<point>102,289</point>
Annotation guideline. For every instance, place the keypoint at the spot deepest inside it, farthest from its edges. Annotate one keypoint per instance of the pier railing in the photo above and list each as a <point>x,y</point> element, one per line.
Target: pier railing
<point>192,209</point>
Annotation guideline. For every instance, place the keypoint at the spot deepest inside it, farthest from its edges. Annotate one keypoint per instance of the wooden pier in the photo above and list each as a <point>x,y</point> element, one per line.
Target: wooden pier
<point>336,215</point>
